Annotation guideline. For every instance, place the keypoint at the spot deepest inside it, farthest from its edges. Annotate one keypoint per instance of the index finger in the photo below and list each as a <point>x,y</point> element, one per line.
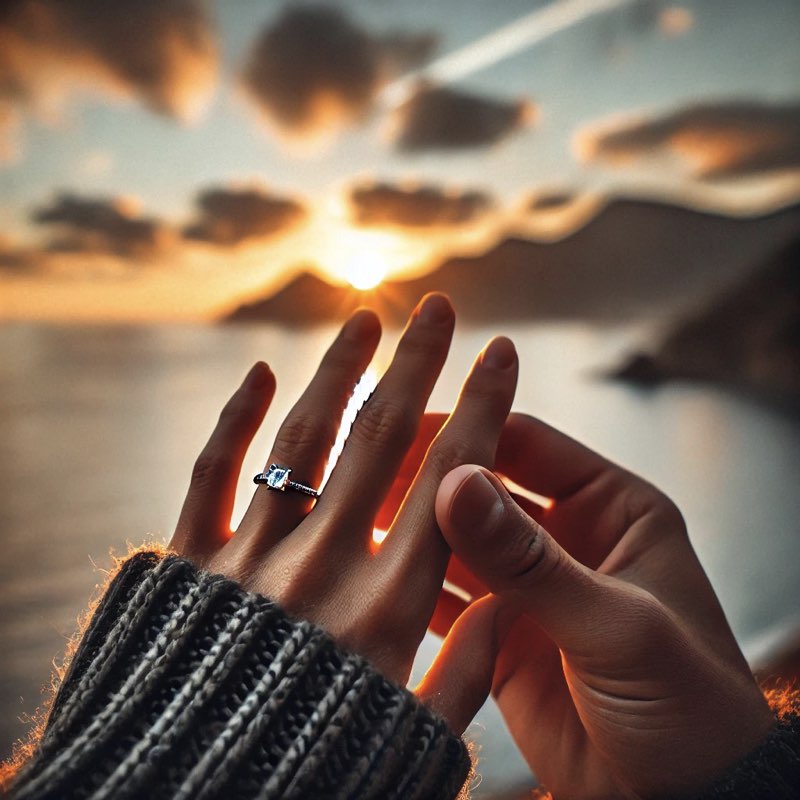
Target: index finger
<point>544,460</point>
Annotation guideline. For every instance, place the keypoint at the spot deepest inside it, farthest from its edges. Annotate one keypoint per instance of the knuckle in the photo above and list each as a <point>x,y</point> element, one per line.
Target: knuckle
<point>303,433</point>
<point>209,468</point>
<point>484,389</point>
<point>450,451</point>
<point>641,500</point>
<point>671,516</point>
<point>233,412</point>
<point>384,424</point>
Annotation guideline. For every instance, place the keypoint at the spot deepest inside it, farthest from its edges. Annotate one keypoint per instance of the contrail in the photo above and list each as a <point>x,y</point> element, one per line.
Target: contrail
<point>507,41</point>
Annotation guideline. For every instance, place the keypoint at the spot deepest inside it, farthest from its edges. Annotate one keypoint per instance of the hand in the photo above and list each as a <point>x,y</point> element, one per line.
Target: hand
<point>621,677</point>
<point>316,558</point>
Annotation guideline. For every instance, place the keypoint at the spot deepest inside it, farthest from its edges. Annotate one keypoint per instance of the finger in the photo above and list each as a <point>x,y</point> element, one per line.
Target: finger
<point>519,560</point>
<point>460,678</point>
<point>462,577</point>
<point>305,438</point>
<point>470,435</point>
<point>546,461</point>
<point>204,522</point>
<point>448,609</point>
<point>429,427</point>
<point>386,426</point>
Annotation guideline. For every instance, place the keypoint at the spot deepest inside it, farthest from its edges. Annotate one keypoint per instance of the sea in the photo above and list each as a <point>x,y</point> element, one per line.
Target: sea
<point>100,425</point>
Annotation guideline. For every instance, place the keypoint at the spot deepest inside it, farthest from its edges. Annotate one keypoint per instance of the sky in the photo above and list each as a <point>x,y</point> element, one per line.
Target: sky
<point>168,159</point>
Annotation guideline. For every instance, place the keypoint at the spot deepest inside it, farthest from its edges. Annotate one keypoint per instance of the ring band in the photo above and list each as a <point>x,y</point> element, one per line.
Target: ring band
<point>277,477</point>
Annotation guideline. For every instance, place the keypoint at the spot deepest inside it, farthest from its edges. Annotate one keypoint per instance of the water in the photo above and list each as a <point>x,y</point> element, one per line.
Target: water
<point>99,428</point>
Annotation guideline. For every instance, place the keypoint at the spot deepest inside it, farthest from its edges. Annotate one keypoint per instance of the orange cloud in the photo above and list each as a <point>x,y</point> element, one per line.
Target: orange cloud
<point>230,217</point>
<point>103,226</point>
<point>723,140</point>
<point>160,52</point>
<point>426,206</point>
<point>314,67</point>
<point>441,118</point>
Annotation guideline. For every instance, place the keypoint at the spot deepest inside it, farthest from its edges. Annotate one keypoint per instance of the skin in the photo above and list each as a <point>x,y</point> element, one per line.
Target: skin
<point>611,659</point>
<point>317,559</point>
<point>591,622</point>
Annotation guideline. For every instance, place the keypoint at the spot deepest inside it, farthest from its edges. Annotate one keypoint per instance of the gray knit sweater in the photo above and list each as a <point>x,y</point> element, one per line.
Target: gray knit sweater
<point>185,686</point>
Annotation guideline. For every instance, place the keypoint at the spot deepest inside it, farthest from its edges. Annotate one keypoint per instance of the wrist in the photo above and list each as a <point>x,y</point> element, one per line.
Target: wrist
<point>771,768</point>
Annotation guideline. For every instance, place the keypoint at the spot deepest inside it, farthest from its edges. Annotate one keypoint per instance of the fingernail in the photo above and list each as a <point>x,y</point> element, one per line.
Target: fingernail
<point>477,507</point>
<point>499,353</point>
<point>434,308</point>
<point>361,325</point>
<point>257,377</point>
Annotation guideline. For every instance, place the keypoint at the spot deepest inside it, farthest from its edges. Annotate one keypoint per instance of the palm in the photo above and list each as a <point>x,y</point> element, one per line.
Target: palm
<point>579,715</point>
<point>590,718</point>
<point>553,727</point>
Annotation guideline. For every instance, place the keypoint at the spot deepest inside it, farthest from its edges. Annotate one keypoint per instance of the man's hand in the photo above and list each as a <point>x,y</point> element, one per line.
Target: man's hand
<point>621,677</point>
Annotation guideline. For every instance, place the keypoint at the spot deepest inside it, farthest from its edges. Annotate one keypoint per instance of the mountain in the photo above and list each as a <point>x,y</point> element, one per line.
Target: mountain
<point>635,259</point>
<point>748,337</point>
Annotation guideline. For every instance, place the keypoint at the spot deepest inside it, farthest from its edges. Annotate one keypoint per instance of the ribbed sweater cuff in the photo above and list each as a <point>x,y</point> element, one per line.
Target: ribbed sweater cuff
<point>185,686</point>
<point>772,770</point>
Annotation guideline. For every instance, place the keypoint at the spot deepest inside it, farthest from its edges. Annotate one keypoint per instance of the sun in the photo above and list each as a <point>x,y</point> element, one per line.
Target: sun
<point>365,258</point>
<point>364,270</point>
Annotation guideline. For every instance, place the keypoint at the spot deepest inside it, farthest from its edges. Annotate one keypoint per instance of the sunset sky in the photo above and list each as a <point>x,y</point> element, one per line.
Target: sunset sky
<point>166,159</point>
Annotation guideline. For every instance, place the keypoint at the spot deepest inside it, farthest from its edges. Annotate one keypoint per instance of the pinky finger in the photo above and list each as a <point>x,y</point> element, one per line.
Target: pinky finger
<point>204,522</point>
<point>460,678</point>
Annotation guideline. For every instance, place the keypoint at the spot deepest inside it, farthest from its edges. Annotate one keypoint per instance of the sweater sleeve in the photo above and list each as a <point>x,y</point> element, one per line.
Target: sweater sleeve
<point>186,686</point>
<point>772,770</point>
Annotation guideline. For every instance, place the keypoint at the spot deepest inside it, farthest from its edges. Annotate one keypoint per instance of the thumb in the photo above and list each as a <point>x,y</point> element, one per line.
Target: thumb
<point>521,562</point>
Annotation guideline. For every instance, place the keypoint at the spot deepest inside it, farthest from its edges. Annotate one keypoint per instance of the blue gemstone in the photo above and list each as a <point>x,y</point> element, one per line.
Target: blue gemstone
<point>277,476</point>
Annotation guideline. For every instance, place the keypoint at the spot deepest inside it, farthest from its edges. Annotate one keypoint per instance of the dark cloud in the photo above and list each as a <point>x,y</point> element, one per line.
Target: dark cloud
<point>551,200</point>
<point>723,140</point>
<point>426,206</point>
<point>442,118</point>
<point>102,226</point>
<point>17,260</point>
<point>229,217</point>
<point>314,66</point>
<point>161,52</point>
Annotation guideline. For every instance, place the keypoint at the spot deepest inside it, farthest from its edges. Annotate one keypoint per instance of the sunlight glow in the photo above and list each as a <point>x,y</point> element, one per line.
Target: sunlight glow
<point>378,535</point>
<point>547,503</point>
<point>361,393</point>
<point>364,271</point>
<point>365,258</point>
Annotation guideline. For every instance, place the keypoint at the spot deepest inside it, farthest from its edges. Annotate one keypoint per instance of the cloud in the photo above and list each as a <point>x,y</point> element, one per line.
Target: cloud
<point>230,217</point>
<point>552,199</point>
<point>442,118</point>
<point>17,260</point>
<point>426,206</point>
<point>723,140</point>
<point>103,226</point>
<point>314,67</point>
<point>160,52</point>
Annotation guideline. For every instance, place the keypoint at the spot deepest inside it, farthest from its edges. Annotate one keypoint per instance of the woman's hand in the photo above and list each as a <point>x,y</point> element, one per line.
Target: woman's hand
<point>317,558</point>
<point>621,677</point>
